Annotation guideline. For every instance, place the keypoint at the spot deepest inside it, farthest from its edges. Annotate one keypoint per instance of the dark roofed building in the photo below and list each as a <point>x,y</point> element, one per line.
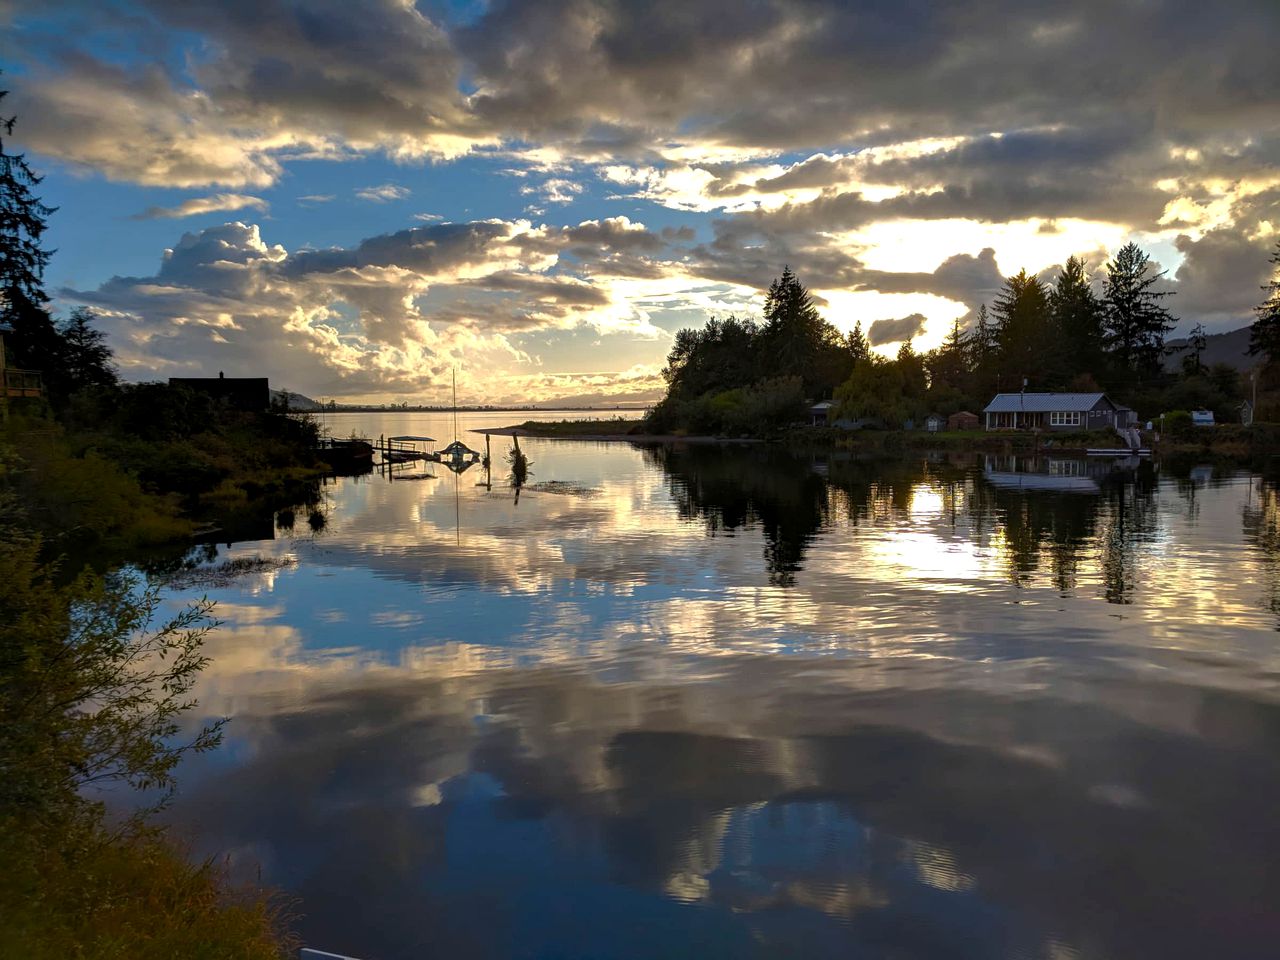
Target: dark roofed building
<point>1051,411</point>
<point>251,394</point>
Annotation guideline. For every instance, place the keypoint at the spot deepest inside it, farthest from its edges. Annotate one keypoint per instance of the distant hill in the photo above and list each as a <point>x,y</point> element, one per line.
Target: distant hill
<point>1231,347</point>
<point>296,401</point>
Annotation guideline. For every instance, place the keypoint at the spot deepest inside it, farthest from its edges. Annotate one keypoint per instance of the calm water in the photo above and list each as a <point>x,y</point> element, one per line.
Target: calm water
<point>711,702</point>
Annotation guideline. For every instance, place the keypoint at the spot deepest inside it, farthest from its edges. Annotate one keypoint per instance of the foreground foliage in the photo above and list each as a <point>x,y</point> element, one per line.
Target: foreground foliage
<point>94,689</point>
<point>93,894</point>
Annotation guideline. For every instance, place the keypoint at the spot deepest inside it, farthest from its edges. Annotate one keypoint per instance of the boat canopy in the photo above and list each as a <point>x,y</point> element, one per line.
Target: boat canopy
<point>459,447</point>
<point>412,439</point>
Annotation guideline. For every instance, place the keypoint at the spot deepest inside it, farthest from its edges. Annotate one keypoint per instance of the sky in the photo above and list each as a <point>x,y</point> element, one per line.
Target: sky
<point>358,197</point>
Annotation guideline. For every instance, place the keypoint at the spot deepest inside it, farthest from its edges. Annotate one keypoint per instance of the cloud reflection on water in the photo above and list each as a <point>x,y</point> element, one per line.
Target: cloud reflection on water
<point>730,707</point>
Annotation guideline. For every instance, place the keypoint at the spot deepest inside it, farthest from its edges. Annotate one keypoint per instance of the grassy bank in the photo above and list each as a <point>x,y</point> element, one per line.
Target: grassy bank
<point>1257,444</point>
<point>994,441</point>
<point>614,427</point>
<point>146,464</point>
<point>130,898</point>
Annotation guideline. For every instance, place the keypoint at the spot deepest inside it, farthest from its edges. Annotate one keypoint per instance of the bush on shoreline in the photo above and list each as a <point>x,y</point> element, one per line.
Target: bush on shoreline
<point>92,694</point>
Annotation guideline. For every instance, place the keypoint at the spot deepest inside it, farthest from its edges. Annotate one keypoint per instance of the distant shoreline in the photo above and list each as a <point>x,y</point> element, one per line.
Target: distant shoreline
<point>536,434</point>
<point>377,409</point>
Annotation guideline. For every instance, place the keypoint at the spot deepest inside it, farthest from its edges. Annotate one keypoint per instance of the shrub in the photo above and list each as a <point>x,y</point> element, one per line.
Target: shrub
<point>1178,424</point>
<point>91,694</point>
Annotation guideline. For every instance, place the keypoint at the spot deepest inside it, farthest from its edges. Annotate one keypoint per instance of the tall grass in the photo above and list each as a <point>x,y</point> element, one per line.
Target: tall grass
<point>87,894</point>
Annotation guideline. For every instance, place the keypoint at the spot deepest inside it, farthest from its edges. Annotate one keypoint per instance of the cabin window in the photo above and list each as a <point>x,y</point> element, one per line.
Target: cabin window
<point>1064,418</point>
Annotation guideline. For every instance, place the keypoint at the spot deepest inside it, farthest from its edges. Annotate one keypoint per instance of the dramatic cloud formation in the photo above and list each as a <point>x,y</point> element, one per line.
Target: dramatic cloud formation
<point>900,158</point>
<point>394,313</point>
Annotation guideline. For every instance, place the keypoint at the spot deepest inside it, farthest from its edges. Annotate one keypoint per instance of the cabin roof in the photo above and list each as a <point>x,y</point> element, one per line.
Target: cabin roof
<point>1043,402</point>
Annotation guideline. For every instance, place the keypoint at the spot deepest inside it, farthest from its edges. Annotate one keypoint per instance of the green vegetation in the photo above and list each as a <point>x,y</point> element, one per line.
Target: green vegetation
<point>128,465</point>
<point>577,428</point>
<point>91,694</point>
<point>736,376</point>
<point>106,897</point>
<point>519,463</point>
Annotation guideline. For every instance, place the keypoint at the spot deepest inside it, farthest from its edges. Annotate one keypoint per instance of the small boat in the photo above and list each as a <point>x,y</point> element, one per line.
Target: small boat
<point>405,449</point>
<point>458,456</point>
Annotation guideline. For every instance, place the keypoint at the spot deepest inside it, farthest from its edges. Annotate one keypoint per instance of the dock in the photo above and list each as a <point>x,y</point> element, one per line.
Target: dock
<point>405,448</point>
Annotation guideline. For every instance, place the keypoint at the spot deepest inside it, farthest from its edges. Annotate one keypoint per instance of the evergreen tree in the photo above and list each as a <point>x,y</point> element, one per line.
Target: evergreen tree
<point>949,364</point>
<point>1022,326</point>
<point>859,348</point>
<point>86,356</point>
<point>915,380</point>
<point>792,327</point>
<point>30,336</point>
<point>983,338</point>
<point>1264,335</point>
<point>1135,323</point>
<point>1078,316</point>
<point>1196,343</point>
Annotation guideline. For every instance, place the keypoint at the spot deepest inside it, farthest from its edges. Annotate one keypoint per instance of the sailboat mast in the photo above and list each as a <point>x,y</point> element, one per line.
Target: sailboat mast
<point>455,403</point>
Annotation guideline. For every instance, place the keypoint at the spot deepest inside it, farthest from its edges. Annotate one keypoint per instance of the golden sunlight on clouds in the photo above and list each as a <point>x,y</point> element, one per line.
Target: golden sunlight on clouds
<point>1033,245</point>
<point>847,307</point>
<point>1204,204</point>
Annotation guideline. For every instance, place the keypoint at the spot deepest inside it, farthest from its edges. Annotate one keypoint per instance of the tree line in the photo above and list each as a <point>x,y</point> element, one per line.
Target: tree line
<point>740,376</point>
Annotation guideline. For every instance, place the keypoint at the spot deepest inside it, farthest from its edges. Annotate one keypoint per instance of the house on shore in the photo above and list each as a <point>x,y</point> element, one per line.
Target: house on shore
<point>820,413</point>
<point>964,420</point>
<point>1054,411</point>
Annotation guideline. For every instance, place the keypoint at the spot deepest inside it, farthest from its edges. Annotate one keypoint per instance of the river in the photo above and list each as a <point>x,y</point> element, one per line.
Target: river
<point>737,702</point>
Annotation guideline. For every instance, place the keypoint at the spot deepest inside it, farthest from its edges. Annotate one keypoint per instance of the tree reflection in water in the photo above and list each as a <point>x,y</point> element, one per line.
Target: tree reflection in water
<point>792,499</point>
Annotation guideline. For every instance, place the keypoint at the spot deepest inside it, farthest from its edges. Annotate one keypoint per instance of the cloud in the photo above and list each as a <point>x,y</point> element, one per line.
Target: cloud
<point>394,312</point>
<point>555,190</point>
<point>1221,278</point>
<point>218,202</point>
<point>665,83</point>
<point>878,150</point>
<point>383,193</point>
<point>893,331</point>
